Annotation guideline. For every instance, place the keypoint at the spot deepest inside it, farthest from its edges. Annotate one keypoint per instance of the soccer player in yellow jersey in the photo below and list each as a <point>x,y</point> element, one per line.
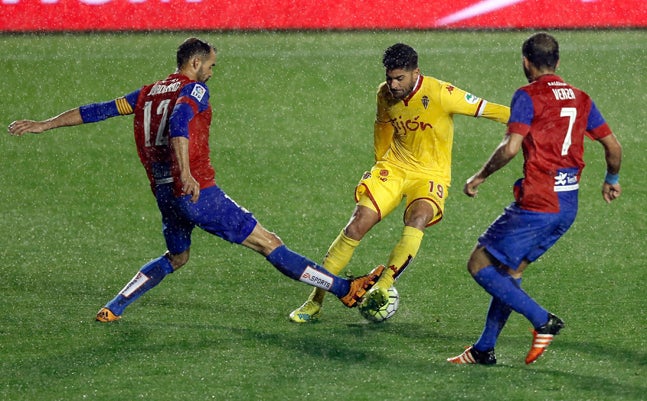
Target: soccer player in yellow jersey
<point>413,136</point>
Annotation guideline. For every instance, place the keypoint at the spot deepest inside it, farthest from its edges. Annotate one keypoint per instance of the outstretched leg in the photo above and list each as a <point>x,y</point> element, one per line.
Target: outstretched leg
<point>337,258</point>
<point>300,268</point>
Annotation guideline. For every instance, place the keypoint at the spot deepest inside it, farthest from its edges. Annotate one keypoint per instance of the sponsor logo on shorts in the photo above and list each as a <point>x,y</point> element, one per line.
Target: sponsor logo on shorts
<point>316,278</point>
<point>566,181</point>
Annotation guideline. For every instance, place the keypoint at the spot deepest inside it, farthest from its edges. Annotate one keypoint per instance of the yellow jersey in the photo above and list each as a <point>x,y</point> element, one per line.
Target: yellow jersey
<point>417,132</point>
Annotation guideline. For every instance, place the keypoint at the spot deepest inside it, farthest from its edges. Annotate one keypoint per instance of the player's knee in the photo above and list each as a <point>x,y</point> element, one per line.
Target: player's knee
<point>418,221</point>
<point>262,240</point>
<point>419,214</point>
<point>361,222</point>
<point>272,241</point>
<point>472,269</point>
<point>477,261</point>
<point>354,231</point>
<point>178,260</point>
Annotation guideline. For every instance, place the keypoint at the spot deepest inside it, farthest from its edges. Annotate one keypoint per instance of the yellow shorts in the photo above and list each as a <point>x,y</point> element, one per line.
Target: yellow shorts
<point>383,188</point>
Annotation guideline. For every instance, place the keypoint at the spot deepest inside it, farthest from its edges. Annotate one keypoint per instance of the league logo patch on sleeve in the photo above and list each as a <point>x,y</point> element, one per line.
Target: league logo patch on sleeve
<point>198,92</point>
<point>471,99</point>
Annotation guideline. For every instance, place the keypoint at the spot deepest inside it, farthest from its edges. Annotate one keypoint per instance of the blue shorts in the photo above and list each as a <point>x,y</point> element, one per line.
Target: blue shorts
<point>520,234</point>
<point>214,212</point>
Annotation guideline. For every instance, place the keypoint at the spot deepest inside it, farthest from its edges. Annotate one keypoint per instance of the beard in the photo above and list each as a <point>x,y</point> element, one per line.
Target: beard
<point>528,74</point>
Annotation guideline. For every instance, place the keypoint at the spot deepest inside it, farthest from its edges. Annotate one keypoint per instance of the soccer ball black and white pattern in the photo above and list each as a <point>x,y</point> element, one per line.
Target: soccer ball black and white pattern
<point>385,312</point>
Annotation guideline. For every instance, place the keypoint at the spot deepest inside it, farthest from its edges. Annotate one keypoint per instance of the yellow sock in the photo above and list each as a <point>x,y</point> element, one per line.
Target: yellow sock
<point>403,253</point>
<point>336,259</point>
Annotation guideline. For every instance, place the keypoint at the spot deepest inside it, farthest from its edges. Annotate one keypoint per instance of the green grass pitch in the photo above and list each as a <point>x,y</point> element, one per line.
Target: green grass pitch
<point>292,134</point>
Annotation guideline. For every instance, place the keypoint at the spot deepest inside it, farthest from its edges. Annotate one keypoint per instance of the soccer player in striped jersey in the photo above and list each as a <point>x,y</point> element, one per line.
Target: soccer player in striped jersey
<point>549,120</point>
<point>413,137</point>
<point>172,118</point>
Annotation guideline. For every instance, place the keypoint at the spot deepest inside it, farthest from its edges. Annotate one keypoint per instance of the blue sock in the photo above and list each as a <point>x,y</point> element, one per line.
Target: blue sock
<point>148,277</point>
<point>303,269</point>
<point>497,316</point>
<point>501,285</point>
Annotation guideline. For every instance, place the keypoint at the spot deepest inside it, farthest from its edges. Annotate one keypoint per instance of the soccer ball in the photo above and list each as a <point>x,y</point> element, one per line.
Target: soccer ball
<point>385,312</point>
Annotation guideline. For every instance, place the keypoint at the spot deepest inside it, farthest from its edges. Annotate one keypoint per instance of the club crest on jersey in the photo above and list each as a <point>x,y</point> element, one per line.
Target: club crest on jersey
<point>198,92</point>
<point>425,101</point>
<point>471,99</point>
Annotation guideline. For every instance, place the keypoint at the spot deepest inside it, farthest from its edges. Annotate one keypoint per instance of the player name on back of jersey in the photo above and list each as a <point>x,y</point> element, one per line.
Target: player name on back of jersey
<point>159,88</point>
<point>564,94</point>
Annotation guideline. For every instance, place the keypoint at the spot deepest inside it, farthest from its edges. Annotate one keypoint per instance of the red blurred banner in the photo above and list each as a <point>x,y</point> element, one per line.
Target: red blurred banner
<point>114,15</point>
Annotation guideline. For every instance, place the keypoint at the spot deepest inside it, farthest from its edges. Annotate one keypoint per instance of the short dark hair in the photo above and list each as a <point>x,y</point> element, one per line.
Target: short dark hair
<point>400,56</point>
<point>542,50</point>
<point>192,47</point>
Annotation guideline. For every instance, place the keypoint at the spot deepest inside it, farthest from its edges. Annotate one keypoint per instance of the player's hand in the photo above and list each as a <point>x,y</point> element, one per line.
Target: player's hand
<point>20,127</point>
<point>471,185</point>
<point>191,187</point>
<point>611,192</point>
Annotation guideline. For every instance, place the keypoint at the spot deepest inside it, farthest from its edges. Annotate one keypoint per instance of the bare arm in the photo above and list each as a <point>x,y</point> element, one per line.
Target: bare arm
<point>66,119</point>
<point>190,186</point>
<point>613,155</point>
<point>506,151</point>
